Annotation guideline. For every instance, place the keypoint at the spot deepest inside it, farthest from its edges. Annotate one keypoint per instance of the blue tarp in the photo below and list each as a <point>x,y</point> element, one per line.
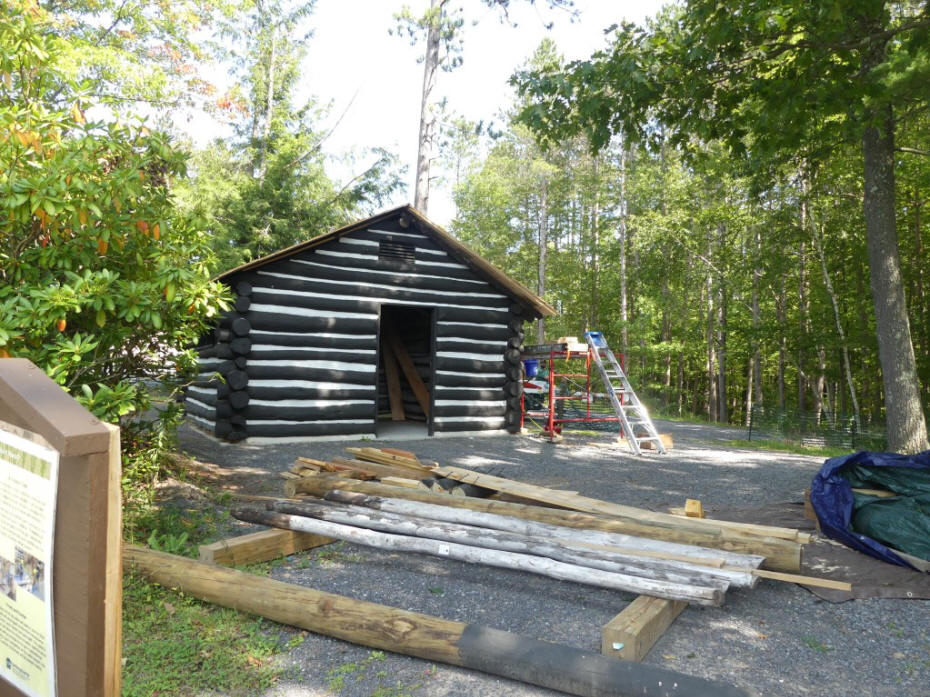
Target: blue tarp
<point>836,505</point>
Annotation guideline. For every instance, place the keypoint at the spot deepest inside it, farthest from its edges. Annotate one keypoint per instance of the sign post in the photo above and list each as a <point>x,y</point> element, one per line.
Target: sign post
<point>60,536</point>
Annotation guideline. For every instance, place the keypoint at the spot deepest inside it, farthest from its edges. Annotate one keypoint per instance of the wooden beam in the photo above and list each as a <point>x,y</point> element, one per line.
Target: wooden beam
<point>259,546</point>
<point>693,508</point>
<point>780,555</point>
<point>393,629</point>
<point>392,377</point>
<point>420,391</point>
<point>631,634</point>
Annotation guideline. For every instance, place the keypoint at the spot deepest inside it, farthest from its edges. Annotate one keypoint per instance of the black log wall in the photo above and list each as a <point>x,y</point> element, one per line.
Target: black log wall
<point>299,356</point>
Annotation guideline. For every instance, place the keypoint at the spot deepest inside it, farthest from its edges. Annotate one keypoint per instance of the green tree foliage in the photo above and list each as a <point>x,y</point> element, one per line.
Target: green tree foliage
<point>103,285</point>
<point>267,187</point>
<point>779,82</point>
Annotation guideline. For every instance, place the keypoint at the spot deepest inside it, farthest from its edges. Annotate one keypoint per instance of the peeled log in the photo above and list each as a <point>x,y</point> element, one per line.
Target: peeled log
<point>567,535</point>
<point>780,555</point>
<point>673,571</point>
<point>700,595</point>
<point>489,650</point>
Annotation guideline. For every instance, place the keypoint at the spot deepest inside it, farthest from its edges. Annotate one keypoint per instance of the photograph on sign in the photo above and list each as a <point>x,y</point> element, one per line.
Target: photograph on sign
<point>28,490</point>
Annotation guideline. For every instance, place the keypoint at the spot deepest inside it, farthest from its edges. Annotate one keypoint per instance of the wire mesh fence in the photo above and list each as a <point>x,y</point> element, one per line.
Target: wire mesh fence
<point>812,429</point>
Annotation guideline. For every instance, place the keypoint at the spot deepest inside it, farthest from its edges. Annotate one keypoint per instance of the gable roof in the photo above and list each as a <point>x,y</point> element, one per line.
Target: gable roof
<point>523,296</point>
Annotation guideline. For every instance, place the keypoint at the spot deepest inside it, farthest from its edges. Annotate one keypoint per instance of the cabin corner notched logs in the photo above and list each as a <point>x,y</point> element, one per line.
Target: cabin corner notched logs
<point>302,354</point>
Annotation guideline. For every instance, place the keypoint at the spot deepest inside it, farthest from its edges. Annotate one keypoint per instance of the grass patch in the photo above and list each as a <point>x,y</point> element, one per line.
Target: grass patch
<point>174,644</point>
<point>787,447</point>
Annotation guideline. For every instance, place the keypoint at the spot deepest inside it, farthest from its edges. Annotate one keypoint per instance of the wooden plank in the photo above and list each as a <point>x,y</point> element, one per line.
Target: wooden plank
<point>377,470</point>
<point>385,458</point>
<point>632,634</point>
<point>403,481</point>
<point>392,376</point>
<point>804,580</point>
<point>420,391</point>
<point>393,629</point>
<point>259,546</point>
<point>591,505</point>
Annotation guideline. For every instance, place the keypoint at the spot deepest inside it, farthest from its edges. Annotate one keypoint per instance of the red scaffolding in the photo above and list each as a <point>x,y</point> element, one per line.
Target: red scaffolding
<point>569,397</point>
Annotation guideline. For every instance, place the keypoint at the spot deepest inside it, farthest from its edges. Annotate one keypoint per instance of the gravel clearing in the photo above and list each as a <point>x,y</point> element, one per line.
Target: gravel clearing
<point>776,639</point>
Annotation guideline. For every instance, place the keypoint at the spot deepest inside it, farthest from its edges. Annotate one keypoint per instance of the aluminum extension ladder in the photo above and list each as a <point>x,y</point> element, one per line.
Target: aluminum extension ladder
<point>637,426</point>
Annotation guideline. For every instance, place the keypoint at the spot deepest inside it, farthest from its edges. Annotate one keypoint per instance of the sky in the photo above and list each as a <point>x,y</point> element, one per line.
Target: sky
<point>373,80</point>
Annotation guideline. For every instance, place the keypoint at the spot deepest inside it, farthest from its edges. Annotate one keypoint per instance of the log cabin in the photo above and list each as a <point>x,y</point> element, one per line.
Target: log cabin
<point>387,319</point>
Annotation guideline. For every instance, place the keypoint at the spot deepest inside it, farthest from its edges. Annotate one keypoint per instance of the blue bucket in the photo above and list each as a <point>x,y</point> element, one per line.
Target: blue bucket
<point>531,366</point>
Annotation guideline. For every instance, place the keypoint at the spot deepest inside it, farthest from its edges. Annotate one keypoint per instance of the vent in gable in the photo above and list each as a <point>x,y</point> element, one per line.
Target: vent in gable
<point>398,254</point>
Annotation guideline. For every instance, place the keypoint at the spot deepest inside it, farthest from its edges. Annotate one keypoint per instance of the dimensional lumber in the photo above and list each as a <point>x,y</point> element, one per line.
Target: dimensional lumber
<point>392,375</point>
<point>780,555</point>
<point>420,390</point>
<point>631,634</point>
<point>710,594</point>
<point>590,539</point>
<point>376,469</point>
<point>259,546</point>
<point>591,505</point>
<point>476,536</point>
<point>377,626</point>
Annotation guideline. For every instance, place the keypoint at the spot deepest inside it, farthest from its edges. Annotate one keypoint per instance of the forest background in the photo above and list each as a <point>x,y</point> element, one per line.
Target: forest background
<point>728,278</point>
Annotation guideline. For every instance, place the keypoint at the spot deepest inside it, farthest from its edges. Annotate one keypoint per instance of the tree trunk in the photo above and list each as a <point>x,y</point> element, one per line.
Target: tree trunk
<point>781,317</point>
<point>427,118</point>
<point>828,284</point>
<point>622,233</point>
<point>541,261</point>
<point>722,411</point>
<point>905,422</point>
<point>269,108</point>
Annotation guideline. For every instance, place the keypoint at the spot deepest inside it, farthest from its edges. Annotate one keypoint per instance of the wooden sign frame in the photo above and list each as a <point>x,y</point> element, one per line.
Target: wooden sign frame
<point>87,574</point>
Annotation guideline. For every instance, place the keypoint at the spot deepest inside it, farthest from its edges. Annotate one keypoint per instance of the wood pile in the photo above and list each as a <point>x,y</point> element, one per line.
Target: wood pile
<point>390,499</point>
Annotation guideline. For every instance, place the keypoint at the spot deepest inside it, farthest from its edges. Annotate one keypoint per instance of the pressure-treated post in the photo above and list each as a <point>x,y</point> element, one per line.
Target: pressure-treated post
<point>86,568</point>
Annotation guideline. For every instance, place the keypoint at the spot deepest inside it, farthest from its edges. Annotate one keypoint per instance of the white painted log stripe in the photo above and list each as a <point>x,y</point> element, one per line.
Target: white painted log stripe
<point>309,312</point>
<point>374,257</point>
<point>372,243</point>
<point>284,422</point>
<point>459,373</point>
<point>401,234</point>
<point>306,384</point>
<point>386,301</point>
<point>471,402</point>
<point>383,286</point>
<point>483,342</point>
<point>210,361</point>
<point>203,406</point>
<point>201,420</point>
<point>320,365</point>
<point>439,420</point>
<point>472,324</point>
<point>310,335</point>
<point>358,270</point>
<point>201,390</point>
<point>306,402</point>
<point>493,357</point>
<point>330,351</point>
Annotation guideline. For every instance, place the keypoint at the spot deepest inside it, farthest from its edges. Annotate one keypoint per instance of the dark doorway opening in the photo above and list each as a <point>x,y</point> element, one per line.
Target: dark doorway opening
<point>405,370</point>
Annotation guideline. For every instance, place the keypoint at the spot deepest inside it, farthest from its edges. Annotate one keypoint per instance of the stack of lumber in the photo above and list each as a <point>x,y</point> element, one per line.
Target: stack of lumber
<point>546,530</point>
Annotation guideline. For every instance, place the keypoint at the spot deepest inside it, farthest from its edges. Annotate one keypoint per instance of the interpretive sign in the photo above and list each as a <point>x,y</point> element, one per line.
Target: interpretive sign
<point>28,488</point>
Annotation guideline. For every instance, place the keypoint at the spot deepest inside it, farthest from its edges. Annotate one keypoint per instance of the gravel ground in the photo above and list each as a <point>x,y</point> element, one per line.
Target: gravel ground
<point>777,639</point>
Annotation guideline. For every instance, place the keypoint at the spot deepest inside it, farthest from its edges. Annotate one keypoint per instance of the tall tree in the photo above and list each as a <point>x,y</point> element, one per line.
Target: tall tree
<point>770,77</point>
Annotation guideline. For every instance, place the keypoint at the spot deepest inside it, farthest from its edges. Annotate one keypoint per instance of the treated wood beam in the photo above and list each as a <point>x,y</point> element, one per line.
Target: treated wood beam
<point>631,634</point>
<point>259,546</point>
<point>493,651</point>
